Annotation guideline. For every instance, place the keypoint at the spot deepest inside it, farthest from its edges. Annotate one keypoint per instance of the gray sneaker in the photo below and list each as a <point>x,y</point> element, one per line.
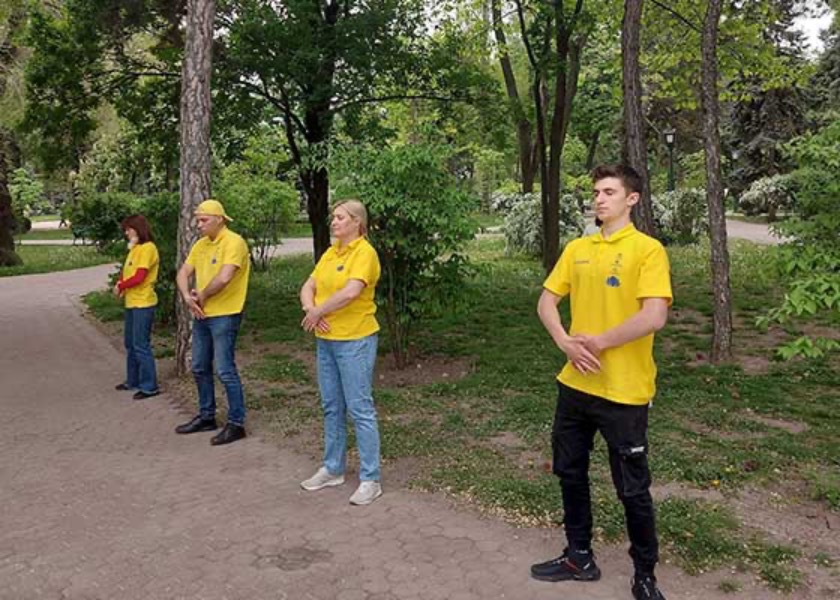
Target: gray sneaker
<point>321,479</point>
<point>367,492</point>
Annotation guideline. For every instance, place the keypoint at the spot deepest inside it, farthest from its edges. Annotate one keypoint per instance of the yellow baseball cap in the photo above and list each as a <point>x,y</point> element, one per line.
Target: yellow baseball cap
<point>212,208</point>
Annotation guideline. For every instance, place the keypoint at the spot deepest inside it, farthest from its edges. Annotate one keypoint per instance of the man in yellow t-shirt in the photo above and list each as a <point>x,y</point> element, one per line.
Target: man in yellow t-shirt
<point>619,285</point>
<point>221,264</point>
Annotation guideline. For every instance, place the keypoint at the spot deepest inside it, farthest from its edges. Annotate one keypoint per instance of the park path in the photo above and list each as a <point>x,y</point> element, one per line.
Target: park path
<point>102,501</point>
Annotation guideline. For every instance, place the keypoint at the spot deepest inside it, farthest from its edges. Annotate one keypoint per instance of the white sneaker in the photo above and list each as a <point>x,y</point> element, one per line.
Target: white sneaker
<point>321,479</point>
<point>367,492</point>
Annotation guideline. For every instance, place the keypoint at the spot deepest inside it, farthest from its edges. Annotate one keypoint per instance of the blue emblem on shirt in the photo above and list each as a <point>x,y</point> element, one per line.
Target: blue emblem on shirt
<point>613,281</point>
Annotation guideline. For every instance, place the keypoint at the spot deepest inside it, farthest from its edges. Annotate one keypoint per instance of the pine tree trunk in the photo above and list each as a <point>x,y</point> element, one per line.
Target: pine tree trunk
<point>635,144</point>
<point>195,145</point>
<point>8,256</point>
<point>721,290</point>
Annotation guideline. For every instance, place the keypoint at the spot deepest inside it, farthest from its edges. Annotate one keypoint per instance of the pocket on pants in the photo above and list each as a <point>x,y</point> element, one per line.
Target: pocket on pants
<point>635,472</point>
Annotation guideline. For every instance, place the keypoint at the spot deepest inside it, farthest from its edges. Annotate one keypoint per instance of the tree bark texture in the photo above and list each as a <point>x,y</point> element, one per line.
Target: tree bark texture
<point>524,127</point>
<point>8,256</point>
<point>635,144</point>
<point>195,144</point>
<point>721,290</point>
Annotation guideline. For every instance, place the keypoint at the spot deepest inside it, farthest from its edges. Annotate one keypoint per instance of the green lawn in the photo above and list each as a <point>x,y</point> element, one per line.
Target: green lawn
<point>47,234</point>
<point>41,218</point>
<point>484,438</point>
<point>45,259</point>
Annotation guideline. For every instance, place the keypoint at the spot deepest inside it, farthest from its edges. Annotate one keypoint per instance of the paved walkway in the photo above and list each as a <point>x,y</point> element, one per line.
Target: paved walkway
<point>102,501</point>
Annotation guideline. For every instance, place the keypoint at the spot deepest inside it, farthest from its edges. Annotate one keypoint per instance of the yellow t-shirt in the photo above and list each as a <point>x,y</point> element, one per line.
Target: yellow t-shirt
<point>607,280</point>
<point>207,258</point>
<point>357,260</point>
<point>142,256</point>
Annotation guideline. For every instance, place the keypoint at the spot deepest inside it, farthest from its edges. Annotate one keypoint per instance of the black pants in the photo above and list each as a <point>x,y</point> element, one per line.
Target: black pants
<point>624,427</point>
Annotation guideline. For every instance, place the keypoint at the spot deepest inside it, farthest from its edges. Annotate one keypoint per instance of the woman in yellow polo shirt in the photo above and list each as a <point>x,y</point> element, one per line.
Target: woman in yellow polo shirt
<point>136,286</point>
<point>338,299</point>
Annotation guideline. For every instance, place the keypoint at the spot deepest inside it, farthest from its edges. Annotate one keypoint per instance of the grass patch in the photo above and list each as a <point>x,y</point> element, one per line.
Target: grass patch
<point>46,234</point>
<point>104,306</point>
<point>47,259</point>
<point>42,218</point>
<point>711,427</point>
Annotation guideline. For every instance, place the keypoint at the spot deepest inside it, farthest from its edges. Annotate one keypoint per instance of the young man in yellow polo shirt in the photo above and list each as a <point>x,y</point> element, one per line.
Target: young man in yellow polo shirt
<point>619,285</point>
<point>221,264</point>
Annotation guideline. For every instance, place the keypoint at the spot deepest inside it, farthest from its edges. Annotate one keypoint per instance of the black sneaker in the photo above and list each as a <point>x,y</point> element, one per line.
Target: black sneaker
<point>577,566</point>
<point>644,588</point>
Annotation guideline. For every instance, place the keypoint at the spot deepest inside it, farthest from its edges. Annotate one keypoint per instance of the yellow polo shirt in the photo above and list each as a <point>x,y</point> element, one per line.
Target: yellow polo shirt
<point>607,280</point>
<point>207,258</point>
<point>142,256</point>
<point>357,260</point>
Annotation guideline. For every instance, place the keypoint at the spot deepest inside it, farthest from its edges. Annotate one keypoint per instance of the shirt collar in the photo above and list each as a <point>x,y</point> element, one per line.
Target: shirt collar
<point>351,246</point>
<point>219,237</point>
<point>622,233</point>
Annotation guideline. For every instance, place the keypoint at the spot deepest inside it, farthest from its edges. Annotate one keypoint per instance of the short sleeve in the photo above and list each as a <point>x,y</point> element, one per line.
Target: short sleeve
<point>559,281</point>
<point>655,275</point>
<point>236,254</point>
<point>365,266</point>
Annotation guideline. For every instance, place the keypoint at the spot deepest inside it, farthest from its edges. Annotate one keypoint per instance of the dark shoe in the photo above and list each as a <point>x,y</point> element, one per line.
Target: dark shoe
<point>143,395</point>
<point>229,434</point>
<point>644,588</point>
<point>197,424</point>
<point>122,387</point>
<point>577,566</point>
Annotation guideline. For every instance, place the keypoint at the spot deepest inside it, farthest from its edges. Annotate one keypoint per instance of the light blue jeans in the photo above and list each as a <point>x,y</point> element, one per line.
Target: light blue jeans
<point>345,378</point>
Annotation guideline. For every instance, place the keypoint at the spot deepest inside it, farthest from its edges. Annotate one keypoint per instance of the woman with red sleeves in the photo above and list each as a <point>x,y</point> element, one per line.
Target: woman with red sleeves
<point>136,286</point>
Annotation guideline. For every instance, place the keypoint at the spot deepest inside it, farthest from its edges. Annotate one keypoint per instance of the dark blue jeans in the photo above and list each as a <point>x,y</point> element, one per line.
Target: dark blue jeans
<point>214,341</point>
<point>140,370</point>
<point>579,416</point>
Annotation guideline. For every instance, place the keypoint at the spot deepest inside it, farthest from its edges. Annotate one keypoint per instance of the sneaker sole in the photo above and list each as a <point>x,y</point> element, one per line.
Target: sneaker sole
<point>366,502</point>
<point>564,577</point>
<point>330,483</point>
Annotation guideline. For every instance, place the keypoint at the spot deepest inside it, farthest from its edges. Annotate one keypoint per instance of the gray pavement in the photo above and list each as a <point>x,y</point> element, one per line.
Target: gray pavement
<point>102,501</point>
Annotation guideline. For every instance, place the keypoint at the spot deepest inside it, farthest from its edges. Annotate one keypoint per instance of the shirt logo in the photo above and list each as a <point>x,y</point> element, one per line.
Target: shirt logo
<point>613,281</point>
<point>339,268</point>
<point>582,262</point>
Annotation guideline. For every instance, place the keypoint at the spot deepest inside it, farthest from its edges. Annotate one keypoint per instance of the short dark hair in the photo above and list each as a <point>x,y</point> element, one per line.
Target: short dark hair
<point>630,178</point>
<point>139,224</point>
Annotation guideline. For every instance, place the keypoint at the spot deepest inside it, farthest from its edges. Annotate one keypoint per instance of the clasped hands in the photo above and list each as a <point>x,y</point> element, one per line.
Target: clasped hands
<point>584,352</point>
<point>314,319</point>
<point>195,303</point>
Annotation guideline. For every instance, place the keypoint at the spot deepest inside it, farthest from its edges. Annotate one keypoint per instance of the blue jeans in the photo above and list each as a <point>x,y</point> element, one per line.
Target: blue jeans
<point>214,341</point>
<point>345,377</point>
<point>140,370</point>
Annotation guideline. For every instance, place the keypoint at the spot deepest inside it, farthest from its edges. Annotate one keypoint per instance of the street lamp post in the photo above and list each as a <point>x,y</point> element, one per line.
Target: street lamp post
<point>670,141</point>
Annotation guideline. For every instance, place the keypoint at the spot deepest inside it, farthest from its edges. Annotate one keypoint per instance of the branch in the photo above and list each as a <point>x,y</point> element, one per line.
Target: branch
<point>678,16</point>
<point>521,14</point>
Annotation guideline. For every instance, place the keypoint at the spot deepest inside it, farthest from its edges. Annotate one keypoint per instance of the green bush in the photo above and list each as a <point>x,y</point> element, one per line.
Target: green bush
<point>767,196</point>
<point>810,262</point>
<point>96,216</point>
<point>419,226</point>
<point>523,227</point>
<point>682,216</point>
<point>27,192</point>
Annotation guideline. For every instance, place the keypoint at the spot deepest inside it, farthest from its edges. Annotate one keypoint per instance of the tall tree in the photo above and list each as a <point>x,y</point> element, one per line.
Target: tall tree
<point>526,146</point>
<point>554,41</point>
<point>721,289</point>
<point>11,19</point>
<point>315,60</point>
<point>195,143</point>
<point>635,145</point>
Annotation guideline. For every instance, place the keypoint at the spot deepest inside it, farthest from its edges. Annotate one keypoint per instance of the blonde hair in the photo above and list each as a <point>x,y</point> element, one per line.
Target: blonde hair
<point>357,211</point>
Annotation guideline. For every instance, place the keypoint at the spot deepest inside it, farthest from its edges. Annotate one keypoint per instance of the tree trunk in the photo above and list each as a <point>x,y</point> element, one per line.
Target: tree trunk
<point>635,145</point>
<point>195,144</point>
<point>524,128</point>
<point>8,256</point>
<point>591,150</point>
<point>721,291</point>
